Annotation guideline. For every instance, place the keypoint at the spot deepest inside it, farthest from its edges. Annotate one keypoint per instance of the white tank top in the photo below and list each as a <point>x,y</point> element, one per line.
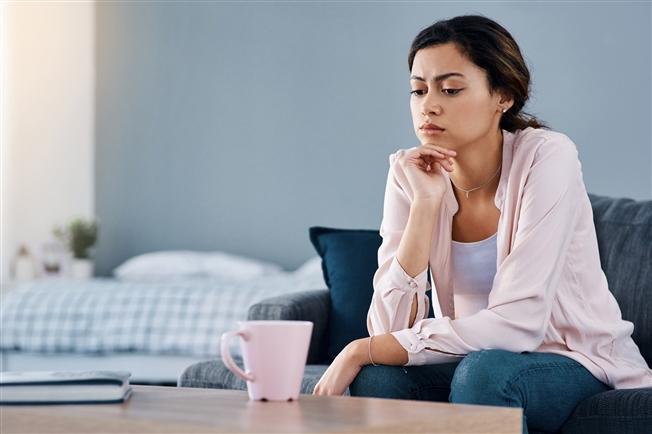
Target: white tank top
<point>474,267</point>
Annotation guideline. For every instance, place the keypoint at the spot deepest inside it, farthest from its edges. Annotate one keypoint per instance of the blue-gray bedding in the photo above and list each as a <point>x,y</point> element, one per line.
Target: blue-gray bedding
<point>185,316</point>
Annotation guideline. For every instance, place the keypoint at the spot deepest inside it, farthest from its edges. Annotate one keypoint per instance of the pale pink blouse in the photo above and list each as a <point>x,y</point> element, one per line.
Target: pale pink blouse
<point>549,293</point>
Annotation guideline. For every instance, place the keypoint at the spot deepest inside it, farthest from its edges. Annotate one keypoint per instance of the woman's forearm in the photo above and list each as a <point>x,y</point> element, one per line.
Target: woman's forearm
<point>385,350</point>
<point>413,255</point>
<point>414,250</point>
<point>347,365</point>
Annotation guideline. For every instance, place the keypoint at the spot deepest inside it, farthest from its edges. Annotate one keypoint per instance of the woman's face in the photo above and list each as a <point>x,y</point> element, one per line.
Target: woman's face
<point>460,104</point>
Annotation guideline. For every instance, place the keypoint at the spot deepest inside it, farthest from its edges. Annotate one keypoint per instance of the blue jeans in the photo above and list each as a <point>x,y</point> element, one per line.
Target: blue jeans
<point>546,386</point>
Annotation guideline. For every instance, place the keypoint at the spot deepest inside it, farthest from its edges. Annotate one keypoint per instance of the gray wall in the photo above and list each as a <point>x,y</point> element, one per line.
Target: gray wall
<point>237,126</point>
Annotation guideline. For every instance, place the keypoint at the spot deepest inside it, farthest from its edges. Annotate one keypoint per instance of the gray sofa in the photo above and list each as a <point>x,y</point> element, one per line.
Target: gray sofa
<point>624,231</point>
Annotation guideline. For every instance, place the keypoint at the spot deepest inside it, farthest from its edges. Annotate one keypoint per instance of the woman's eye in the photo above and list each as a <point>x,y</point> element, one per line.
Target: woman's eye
<point>446,91</point>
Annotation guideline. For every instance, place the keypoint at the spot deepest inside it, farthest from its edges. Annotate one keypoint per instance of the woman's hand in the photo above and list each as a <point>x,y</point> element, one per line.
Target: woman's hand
<point>341,373</point>
<point>421,166</point>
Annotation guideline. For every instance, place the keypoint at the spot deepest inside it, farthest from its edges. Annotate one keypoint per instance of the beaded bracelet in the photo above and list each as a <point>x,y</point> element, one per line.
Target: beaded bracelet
<point>372,360</point>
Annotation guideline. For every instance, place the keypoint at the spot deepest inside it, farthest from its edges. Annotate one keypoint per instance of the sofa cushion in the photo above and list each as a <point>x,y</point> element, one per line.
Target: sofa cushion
<point>624,231</point>
<point>213,374</point>
<point>622,411</point>
<point>349,261</point>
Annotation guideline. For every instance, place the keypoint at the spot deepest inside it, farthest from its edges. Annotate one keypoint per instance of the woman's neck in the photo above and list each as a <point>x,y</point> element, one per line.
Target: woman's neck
<point>476,163</point>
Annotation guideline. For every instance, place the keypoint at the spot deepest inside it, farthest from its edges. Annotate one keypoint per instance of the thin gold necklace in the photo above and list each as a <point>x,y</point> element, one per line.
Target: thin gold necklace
<point>485,183</point>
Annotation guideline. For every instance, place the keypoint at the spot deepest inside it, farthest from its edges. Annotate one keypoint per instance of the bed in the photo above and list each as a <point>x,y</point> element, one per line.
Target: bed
<point>153,328</point>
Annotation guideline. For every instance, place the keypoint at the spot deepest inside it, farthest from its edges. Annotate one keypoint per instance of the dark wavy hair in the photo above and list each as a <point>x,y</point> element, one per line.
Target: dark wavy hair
<point>492,48</point>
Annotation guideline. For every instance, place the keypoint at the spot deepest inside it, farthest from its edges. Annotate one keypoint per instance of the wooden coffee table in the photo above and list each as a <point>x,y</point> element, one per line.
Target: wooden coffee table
<point>178,409</point>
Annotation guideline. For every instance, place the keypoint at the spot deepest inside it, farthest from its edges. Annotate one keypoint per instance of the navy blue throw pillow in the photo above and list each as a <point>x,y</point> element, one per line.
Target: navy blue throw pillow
<point>349,261</point>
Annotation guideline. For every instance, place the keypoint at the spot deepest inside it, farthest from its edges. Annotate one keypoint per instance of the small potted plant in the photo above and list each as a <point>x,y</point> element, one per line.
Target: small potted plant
<point>79,236</point>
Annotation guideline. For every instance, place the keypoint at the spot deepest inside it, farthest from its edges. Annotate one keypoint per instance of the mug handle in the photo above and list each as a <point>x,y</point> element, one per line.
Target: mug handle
<point>226,354</point>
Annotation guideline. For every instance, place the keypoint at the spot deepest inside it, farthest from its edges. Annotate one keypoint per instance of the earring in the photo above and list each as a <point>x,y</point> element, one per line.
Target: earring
<point>504,110</point>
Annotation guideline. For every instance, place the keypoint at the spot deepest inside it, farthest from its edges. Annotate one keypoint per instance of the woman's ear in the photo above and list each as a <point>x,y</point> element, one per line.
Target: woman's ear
<point>505,102</point>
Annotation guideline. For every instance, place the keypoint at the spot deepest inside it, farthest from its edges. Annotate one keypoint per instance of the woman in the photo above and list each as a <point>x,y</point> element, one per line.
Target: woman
<point>494,203</point>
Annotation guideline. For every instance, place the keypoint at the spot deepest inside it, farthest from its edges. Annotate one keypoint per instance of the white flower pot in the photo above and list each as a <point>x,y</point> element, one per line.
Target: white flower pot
<point>82,269</point>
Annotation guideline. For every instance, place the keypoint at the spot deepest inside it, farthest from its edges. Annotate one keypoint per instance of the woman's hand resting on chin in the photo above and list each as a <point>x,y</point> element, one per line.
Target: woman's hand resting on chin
<point>421,167</point>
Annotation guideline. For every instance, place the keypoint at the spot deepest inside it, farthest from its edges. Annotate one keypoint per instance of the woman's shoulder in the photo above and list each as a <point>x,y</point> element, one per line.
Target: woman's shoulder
<point>545,158</point>
<point>535,143</point>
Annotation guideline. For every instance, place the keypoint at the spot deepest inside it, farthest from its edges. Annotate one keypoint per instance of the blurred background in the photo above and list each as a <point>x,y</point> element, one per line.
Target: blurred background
<point>236,126</point>
<point>163,161</point>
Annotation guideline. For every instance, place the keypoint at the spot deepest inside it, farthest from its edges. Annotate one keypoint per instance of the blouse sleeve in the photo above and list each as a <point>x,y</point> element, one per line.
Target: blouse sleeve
<point>394,288</point>
<point>524,285</point>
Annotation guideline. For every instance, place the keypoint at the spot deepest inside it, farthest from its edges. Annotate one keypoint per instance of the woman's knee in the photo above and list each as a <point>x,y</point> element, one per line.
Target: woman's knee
<point>424,382</point>
<point>483,377</point>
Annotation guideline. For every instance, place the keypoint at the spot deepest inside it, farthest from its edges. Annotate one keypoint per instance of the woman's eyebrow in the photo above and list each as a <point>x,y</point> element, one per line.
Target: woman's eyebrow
<point>439,77</point>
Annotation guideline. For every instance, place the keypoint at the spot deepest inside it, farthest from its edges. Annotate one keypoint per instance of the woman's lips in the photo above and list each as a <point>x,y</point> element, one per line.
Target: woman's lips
<point>432,131</point>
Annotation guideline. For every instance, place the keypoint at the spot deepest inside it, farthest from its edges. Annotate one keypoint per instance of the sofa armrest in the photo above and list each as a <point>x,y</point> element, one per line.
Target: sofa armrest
<point>310,305</point>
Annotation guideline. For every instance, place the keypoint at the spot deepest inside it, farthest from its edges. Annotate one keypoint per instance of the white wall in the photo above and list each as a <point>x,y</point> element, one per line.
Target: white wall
<point>47,128</point>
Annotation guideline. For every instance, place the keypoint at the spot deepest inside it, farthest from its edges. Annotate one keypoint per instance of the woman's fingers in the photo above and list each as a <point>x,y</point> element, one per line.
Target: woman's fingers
<point>440,149</point>
<point>436,157</point>
<point>430,154</point>
<point>319,390</point>
<point>444,163</point>
<point>447,164</point>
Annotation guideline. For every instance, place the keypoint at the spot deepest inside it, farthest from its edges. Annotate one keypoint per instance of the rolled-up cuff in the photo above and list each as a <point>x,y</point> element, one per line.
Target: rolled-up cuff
<point>411,343</point>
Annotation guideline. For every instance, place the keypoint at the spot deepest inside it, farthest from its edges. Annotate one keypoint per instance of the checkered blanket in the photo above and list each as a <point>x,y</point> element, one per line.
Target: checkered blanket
<point>108,315</point>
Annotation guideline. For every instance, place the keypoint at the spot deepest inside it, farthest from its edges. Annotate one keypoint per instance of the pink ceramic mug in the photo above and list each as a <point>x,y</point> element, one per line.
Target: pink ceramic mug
<point>274,355</point>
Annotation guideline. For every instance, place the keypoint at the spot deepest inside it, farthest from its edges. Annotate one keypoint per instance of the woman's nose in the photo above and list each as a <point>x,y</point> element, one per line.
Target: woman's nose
<point>431,108</point>
<point>430,104</point>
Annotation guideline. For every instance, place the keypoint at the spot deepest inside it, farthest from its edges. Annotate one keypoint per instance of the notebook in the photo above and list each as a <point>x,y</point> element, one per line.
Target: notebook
<point>63,387</point>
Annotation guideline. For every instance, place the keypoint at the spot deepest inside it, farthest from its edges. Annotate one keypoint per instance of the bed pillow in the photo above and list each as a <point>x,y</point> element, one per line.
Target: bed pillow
<point>224,264</point>
<point>349,261</point>
<point>309,274</point>
<point>189,263</point>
